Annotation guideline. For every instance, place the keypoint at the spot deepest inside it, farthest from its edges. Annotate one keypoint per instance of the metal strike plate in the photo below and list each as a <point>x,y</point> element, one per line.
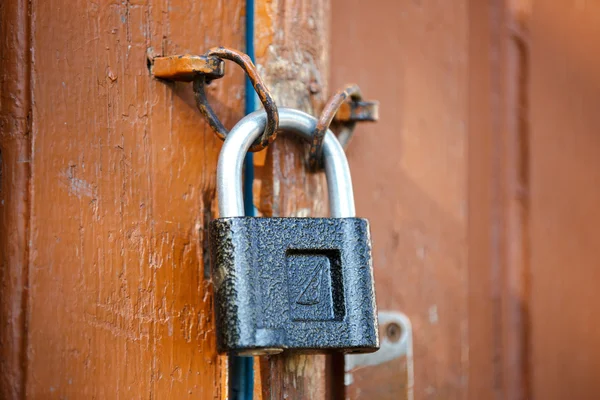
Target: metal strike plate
<point>303,284</point>
<point>387,373</point>
<point>349,114</point>
<point>186,67</point>
<point>358,111</point>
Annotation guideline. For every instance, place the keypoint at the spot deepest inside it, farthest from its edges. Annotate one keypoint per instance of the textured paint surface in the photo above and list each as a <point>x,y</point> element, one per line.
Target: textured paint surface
<point>122,188</point>
<point>409,173</point>
<point>292,55</point>
<point>15,170</point>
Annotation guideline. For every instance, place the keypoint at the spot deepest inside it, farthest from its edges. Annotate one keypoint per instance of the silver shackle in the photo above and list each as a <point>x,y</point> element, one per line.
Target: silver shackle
<point>241,137</point>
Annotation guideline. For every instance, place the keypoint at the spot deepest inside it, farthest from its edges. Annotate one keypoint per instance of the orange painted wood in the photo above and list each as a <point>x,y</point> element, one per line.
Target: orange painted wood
<point>410,175</point>
<point>110,209</point>
<point>529,328</point>
<point>564,197</point>
<point>486,127</point>
<point>15,170</point>
<point>480,182</point>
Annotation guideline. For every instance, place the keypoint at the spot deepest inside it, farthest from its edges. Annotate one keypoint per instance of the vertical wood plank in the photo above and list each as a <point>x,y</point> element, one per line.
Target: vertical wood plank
<point>486,124</point>
<point>292,55</point>
<point>15,171</point>
<point>410,174</point>
<point>564,95</point>
<point>122,191</point>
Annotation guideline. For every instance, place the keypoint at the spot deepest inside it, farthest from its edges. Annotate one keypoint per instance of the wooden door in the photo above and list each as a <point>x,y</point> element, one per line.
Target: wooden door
<point>411,175</point>
<point>480,181</point>
<point>565,192</point>
<point>108,186</point>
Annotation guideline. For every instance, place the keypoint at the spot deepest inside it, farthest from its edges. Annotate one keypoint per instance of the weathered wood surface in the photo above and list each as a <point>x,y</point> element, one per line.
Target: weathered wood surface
<point>109,277</point>
<point>15,170</point>
<point>292,53</point>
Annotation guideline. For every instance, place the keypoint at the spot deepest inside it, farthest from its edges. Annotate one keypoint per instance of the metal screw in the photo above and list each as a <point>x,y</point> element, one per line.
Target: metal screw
<point>393,332</point>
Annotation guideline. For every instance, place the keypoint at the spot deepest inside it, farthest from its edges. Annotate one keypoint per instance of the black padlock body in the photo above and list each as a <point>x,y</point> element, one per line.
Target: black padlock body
<point>302,284</point>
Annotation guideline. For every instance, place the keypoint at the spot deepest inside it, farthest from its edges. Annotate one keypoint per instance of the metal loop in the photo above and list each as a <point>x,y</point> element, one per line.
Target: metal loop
<point>241,59</point>
<point>231,161</point>
<point>315,155</point>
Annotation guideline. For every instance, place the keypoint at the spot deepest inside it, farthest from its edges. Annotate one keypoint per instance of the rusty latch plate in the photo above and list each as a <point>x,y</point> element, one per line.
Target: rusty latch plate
<point>358,111</point>
<point>186,67</point>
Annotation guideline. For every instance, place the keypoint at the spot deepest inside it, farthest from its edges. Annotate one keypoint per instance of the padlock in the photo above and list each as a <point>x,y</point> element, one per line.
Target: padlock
<point>301,284</point>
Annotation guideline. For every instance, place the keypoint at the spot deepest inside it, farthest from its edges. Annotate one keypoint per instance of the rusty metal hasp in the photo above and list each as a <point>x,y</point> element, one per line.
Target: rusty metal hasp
<point>187,67</point>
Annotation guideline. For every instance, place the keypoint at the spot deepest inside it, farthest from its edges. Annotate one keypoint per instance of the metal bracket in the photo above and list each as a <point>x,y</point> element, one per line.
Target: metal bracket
<point>201,70</point>
<point>395,352</point>
<point>358,111</point>
<point>187,67</point>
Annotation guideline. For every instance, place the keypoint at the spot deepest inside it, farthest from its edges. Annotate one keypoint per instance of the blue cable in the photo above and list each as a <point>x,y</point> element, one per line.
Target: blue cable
<point>241,369</point>
<point>250,96</point>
